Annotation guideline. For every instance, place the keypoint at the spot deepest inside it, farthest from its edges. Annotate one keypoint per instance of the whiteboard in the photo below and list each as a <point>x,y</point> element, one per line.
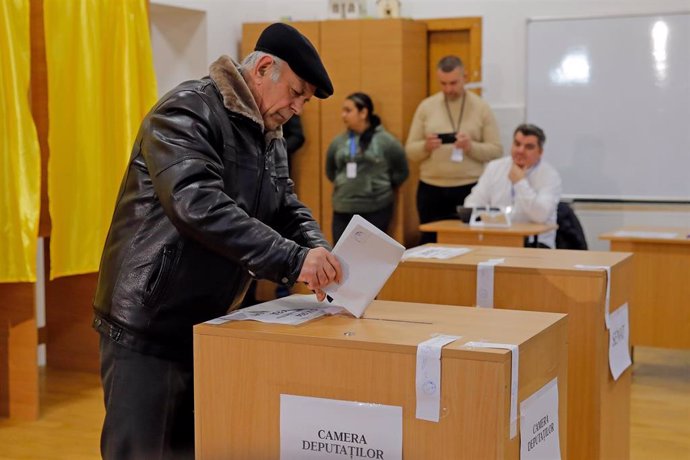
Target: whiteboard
<point>613,97</point>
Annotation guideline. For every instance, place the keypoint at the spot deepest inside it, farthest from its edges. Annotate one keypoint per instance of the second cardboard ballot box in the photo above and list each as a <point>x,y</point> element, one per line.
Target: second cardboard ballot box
<point>571,282</point>
<point>241,369</point>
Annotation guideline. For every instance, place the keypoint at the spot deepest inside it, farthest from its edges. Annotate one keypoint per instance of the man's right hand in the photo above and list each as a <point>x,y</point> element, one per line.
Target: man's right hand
<point>432,143</point>
<point>320,269</point>
<point>516,174</point>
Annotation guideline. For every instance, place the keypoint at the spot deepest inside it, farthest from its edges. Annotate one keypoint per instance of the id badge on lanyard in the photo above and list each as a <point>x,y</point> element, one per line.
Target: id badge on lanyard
<point>351,169</point>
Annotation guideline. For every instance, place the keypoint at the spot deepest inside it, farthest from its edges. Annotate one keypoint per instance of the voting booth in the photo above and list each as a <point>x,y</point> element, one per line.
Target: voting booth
<point>364,388</point>
<point>579,283</point>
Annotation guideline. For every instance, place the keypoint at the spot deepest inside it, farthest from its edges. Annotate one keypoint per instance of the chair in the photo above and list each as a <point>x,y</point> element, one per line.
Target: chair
<point>570,234</point>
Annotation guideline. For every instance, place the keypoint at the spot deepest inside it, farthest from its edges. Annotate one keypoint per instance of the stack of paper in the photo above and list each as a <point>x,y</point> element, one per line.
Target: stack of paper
<point>294,310</point>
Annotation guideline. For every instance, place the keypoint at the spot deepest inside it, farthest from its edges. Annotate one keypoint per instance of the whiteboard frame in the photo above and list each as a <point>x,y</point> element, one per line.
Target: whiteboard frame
<point>600,198</point>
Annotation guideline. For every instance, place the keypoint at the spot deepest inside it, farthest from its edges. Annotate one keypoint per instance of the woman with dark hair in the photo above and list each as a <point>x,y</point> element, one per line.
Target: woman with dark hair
<point>365,163</point>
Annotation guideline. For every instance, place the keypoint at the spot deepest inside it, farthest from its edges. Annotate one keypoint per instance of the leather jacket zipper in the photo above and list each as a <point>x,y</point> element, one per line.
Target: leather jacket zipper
<point>261,179</point>
<point>163,274</point>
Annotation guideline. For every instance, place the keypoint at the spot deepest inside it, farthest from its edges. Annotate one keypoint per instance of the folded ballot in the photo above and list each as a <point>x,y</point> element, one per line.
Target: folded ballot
<point>368,258</point>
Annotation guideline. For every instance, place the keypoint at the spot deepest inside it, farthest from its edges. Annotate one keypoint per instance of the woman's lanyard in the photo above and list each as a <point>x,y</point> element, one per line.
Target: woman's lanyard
<point>353,146</point>
<point>351,167</point>
<point>456,129</point>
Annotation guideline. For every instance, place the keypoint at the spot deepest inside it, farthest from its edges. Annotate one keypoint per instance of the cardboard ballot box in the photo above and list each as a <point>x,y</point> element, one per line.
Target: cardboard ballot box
<point>660,288</point>
<point>547,280</point>
<point>241,370</point>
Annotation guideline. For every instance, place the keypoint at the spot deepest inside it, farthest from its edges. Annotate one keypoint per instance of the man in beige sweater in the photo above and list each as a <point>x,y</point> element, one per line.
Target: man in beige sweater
<point>453,135</point>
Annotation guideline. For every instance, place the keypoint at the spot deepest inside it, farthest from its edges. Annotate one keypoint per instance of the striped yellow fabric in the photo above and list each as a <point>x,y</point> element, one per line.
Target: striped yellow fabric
<point>20,156</point>
<point>101,83</point>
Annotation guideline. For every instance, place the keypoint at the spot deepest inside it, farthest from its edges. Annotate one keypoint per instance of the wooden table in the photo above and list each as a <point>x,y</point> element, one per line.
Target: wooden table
<point>454,231</point>
<point>660,296</point>
<point>242,368</point>
<point>547,280</point>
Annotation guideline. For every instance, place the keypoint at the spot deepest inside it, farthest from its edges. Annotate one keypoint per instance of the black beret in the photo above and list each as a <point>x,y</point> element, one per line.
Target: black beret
<point>288,44</point>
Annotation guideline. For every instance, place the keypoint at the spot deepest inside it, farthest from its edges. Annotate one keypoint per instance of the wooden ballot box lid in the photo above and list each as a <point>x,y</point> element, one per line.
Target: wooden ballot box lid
<point>542,260</point>
<point>401,326</point>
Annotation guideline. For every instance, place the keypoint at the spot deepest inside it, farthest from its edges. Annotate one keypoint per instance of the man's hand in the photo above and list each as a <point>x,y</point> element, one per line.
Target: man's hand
<point>432,142</point>
<point>320,269</point>
<point>516,173</point>
<point>463,141</point>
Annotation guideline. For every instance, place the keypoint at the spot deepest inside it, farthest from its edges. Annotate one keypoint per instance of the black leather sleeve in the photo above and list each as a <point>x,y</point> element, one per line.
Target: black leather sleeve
<point>182,154</point>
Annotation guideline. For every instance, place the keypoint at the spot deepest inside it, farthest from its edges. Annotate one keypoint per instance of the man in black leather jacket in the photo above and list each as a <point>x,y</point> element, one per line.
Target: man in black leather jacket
<point>205,201</point>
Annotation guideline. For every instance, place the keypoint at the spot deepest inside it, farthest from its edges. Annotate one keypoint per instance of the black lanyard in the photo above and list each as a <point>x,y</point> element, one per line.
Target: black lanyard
<point>462,110</point>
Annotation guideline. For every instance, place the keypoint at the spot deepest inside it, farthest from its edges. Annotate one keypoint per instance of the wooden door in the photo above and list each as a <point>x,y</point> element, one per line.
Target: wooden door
<point>459,36</point>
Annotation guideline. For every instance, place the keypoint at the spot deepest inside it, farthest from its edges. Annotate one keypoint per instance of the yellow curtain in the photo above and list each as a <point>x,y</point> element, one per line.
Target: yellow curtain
<point>20,156</point>
<point>101,83</point>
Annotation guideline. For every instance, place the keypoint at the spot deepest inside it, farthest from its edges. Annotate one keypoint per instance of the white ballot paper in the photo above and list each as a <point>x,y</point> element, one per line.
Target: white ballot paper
<point>428,376</point>
<point>368,258</point>
<point>485,282</point>
<point>514,371</point>
<point>329,428</point>
<point>296,309</point>
<point>434,252</point>
<point>539,424</point>
<point>619,341</point>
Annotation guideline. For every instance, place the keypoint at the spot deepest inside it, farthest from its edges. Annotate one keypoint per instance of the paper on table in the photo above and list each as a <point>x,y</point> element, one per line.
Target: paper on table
<point>642,234</point>
<point>368,257</point>
<point>296,309</point>
<point>434,252</point>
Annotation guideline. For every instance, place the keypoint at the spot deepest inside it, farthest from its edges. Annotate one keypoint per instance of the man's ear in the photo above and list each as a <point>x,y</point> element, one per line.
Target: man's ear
<point>263,65</point>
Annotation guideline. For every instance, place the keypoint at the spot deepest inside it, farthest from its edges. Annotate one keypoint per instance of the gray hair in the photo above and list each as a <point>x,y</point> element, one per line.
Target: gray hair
<point>250,61</point>
<point>528,129</point>
<point>449,63</point>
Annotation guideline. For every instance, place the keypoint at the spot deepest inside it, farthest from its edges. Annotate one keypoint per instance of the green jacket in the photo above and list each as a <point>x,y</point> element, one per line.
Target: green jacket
<point>380,168</point>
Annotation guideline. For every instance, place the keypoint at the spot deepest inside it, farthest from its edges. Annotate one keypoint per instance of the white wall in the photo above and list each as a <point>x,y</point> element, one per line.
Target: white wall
<point>179,41</point>
<point>503,26</point>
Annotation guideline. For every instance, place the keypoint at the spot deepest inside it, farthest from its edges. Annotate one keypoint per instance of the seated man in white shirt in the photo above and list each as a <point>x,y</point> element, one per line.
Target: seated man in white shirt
<point>523,181</point>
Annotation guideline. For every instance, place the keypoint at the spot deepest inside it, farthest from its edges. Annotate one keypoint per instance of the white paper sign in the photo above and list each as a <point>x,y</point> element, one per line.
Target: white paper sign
<point>351,170</point>
<point>458,155</point>
<point>619,341</point>
<point>485,282</point>
<point>539,424</point>
<point>428,376</point>
<point>514,372</point>
<point>434,252</point>
<point>316,428</point>
<point>607,303</point>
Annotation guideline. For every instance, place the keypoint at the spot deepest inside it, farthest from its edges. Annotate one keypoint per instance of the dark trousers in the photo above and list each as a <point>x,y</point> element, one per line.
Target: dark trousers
<point>381,219</point>
<point>438,203</point>
<point>149,405</point>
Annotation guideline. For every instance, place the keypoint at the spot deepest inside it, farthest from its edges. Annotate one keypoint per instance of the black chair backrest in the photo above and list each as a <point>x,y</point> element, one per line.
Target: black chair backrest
<point>570,234</point>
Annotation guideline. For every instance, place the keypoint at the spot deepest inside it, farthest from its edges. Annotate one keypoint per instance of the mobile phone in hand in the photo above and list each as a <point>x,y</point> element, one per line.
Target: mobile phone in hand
<point>447,138</point>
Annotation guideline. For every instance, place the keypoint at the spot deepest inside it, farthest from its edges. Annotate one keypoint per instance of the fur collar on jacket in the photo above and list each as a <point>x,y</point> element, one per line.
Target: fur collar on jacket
<point>236,94</point>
